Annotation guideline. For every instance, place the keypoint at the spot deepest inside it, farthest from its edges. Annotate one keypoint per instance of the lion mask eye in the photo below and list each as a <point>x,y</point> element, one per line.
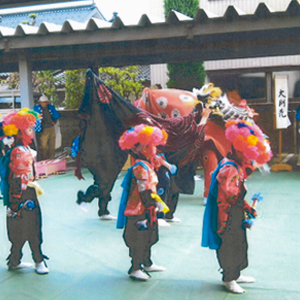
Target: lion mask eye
<point>175,113</point>
<point>162,102</point>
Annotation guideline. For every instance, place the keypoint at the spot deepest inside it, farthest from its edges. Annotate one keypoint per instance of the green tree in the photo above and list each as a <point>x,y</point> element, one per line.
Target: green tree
<point>42,82</point>
<point>13,81</point>
<point>187,7</point>
<point>75,83</point>
<point>185,75</point>
<point>123,81</point>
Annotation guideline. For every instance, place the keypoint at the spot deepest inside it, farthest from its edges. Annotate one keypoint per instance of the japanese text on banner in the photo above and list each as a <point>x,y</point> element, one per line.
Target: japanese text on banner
<point>281,102</point>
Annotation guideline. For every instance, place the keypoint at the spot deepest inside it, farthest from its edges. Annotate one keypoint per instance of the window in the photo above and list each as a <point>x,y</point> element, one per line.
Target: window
<point>10,102</point>
<point>251,87</point>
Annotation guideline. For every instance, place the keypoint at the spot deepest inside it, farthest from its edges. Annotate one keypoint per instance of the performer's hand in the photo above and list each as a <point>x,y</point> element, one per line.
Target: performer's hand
<point>206,112</point>
<point>78,174</point>
<point>159,206</point>
<point>147,199</point>
<point>250,211</point>
<point>157,161</point>
<point>204,116</point>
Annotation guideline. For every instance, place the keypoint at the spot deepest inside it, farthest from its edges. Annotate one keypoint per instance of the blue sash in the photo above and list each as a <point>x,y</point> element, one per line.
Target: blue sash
<point>210,238</point>
<point>126,185</point>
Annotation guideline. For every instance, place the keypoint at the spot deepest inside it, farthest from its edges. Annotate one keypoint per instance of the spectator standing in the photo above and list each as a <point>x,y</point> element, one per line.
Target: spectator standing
<point>45,131</point>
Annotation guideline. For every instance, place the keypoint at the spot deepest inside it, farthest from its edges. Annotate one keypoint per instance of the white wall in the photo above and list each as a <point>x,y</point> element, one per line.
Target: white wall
<point>159,71</point>
<point>159,74</point>
<point>156,8</point>
<point>272,61</point>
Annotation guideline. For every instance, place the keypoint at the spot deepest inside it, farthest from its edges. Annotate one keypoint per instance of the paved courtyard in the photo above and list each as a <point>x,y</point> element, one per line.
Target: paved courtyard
<point>88,258</point>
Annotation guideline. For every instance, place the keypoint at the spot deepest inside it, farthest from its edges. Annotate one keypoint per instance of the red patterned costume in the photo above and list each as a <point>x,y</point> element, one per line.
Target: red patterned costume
<point>24,220</point>
<point>224,227</point>
<point>141,228</point>
<point>231,183</point>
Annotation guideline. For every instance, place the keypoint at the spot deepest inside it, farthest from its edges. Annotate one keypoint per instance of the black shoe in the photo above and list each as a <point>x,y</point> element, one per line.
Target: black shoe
<point>80,197</point>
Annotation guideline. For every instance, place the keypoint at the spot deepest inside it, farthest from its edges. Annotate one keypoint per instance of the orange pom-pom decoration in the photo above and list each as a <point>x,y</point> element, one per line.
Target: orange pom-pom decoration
<point>252,140</point>
<point>144,136</point>
<point>239,143</point>
<point>230,123</point>
<point>165,137</point>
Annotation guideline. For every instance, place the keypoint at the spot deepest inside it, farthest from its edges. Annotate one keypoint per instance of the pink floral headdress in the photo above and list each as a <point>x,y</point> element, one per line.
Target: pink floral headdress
<point>144,135</point>
<point>19,120</point>
<point>249,139</point>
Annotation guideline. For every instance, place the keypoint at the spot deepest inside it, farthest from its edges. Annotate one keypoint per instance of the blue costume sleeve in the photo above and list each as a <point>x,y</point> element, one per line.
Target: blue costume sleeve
<point>298,113</point>
<point>74,147</point>
<point>4,174</point>
<point>38,125</point>
<point>54,112</point>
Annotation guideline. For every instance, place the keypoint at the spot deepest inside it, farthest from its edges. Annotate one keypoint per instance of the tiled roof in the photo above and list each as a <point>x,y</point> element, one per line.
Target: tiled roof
<point>56,15</point>
<point>90,18</point>
<point>22,3</point>
<point>145,73</point>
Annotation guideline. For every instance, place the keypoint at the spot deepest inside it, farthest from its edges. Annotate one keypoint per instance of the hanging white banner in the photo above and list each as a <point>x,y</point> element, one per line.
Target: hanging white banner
<point>281,102</point>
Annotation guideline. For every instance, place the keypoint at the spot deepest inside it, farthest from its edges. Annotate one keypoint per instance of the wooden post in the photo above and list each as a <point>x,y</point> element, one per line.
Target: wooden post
<point>280,166</point>
<point>280,143</point>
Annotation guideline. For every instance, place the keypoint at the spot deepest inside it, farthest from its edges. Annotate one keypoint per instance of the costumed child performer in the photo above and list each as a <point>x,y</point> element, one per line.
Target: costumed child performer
<point>224,222</point>
<point>141,203</point>
<point>24,222</point>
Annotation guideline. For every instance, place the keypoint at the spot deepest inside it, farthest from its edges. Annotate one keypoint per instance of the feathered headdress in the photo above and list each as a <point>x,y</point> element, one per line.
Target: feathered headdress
<point>19,120</point>
<point>144,135</point>
<point>249,139</point>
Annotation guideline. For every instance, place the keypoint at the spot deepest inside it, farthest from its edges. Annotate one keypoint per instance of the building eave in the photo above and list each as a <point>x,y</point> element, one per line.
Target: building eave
<point>231,36</point>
